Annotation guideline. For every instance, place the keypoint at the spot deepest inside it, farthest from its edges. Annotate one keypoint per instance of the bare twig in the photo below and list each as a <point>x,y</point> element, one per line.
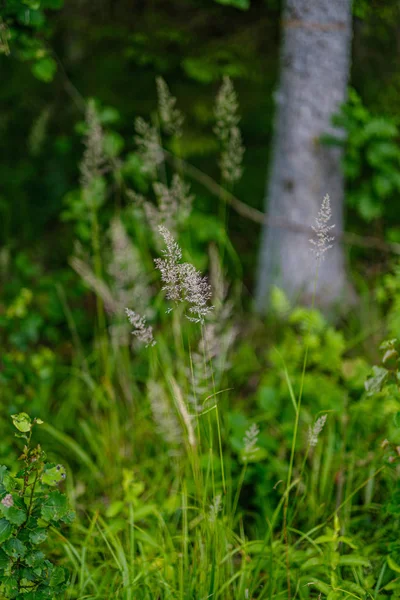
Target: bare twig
<point>257,216</point>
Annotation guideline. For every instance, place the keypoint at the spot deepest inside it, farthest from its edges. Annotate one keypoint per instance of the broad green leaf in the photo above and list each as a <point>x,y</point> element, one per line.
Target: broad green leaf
<point>315,561</point>
<point>30,574</point>
<point>382,185</point>
<point>22,422</point>
<point>45,69</point>
<point>38,536</point>
<point>57,576</point>
<point>380,153</point>
<point>5,480</point>
<point>279,302</point>
<point>388,344</point>
<point>53,475</point>
<point>393,564</point>
<point>113,144</point>
<point>54,507</point>
<point>14,548</point>
<point>353,560</point>
<point>380,127</point>
<point>4,560</point>
<point>69,517</point>
<point>326,539</point>
<point>13,514</point>
<point>109,115</point>
<point>346,540</point>
<point>353,588</point>
<point>5,530</point>
<point>321,586</point>
<point>10,587</point>
<point>34,559</point>
<point>374,384</point>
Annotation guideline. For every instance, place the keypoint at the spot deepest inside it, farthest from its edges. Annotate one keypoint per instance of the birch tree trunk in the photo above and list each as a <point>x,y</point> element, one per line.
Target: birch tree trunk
<point>315,59</point>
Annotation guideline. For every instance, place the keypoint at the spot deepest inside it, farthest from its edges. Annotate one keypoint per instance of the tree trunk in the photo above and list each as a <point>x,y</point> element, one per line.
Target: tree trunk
<point>315,61</point>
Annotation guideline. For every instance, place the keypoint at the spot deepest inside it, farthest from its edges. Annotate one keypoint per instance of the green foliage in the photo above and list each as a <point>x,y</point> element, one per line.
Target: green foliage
<point>384,384</point>
<point>372,160</point>
<point>23,30</point>
<point>388,298</point>
<point>28,510</point>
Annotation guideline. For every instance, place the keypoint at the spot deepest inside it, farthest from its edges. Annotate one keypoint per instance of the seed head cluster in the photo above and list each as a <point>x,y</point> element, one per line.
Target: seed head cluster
<point>174,204</point>
<point>322,241</point>
<point>182,281</point>
<point>128,282</point>
<point>169,266</point>
<point>171,118</point>
<point>315,430</point>
<point>250,441</point>
<point>148,146</point>
<point>226,128</point>
<point>215,508</point>
<point>226,111</point>
<point>143,332</point>
<point>232,157</point>
<point>94,160</point>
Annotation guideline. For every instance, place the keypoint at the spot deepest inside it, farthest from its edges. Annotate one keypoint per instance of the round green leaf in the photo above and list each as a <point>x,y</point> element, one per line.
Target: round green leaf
<point>22,422</point>
<point>45,69</point>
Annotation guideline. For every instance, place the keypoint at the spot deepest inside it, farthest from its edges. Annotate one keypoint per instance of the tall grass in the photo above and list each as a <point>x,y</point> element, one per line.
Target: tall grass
<point>162,482</point>
<point>174,520</point>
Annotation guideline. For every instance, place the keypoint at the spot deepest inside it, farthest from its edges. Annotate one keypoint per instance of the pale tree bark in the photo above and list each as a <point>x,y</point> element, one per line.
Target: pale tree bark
<point>315,60</point>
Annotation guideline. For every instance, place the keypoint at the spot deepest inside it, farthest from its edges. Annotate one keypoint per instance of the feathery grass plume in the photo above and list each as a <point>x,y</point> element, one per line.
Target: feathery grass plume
<point>250,442</point>
<point>210,360</point>
<point>165,419</point>
<point>183,282</point>
<point>174,204</point>
<point>315,430</point>
<point>177,199</point>
<point>170,117</point>
<point>228,133</point>
<point>94,162</point>
<point>128,281</point>
<point>142,206</point>
<point>143,332</point>
<point>215,508</point>
<point>226,110</point>
<point>169,266</point>
<point>148,144</point>
<point>232,157</point>
<point>323,240</point>
<point>197,292</point>
<point>136,199</point>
